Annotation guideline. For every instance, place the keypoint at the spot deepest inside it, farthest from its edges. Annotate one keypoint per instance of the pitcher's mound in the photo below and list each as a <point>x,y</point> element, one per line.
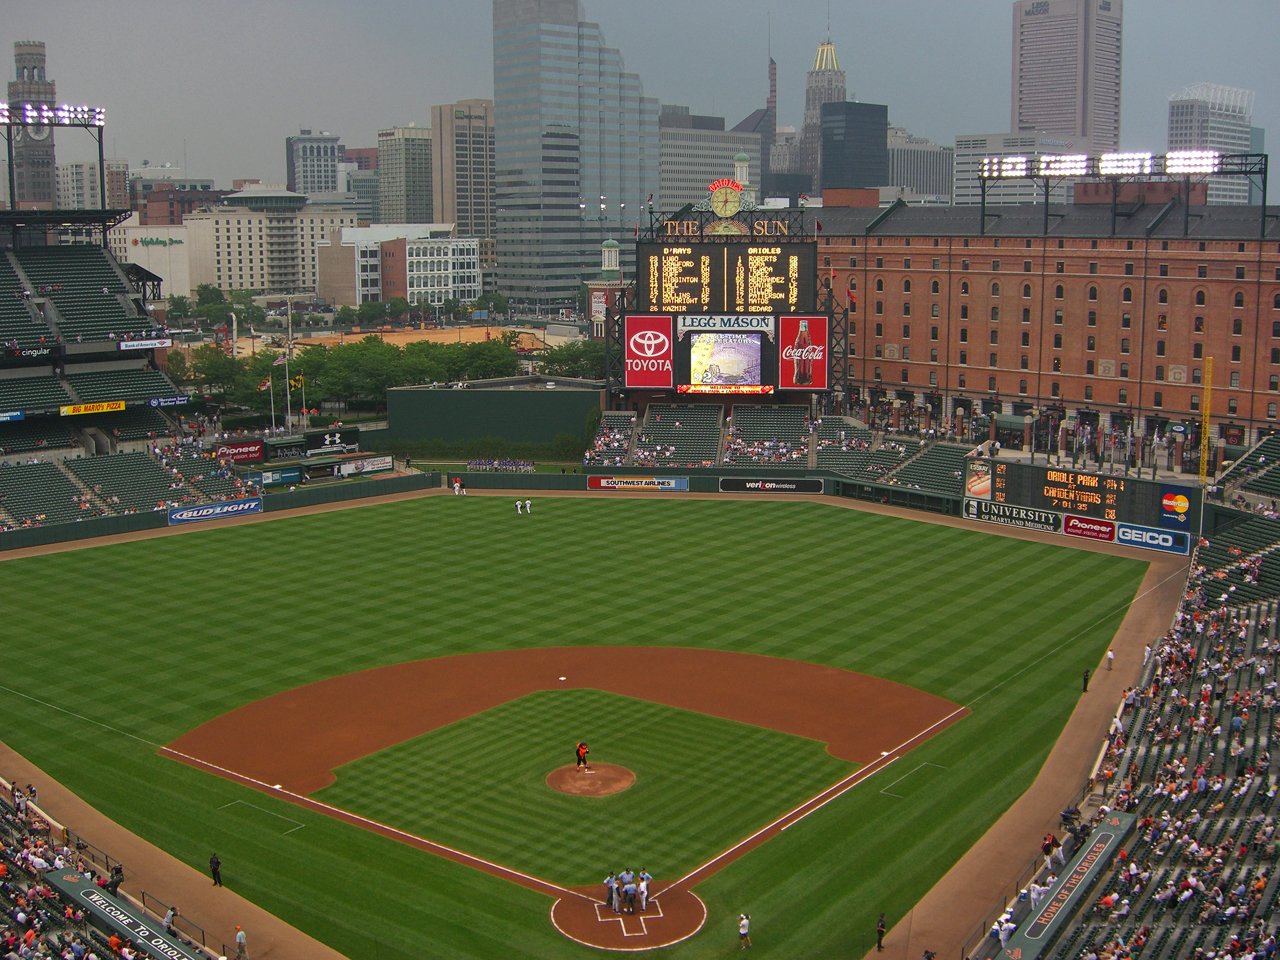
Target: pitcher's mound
<point>603,780</point>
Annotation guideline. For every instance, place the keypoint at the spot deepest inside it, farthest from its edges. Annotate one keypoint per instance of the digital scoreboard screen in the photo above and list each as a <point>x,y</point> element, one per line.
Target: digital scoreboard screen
<point>775,278</point>
<point>1106,507</point>
<point>724,359</point>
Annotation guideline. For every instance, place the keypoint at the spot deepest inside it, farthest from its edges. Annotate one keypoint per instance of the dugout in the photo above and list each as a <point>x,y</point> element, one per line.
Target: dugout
<point>518,410</point>
<point>337,467</point>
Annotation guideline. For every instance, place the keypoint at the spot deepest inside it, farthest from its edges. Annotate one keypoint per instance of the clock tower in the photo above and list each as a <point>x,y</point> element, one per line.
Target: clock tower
<point>35,181</point>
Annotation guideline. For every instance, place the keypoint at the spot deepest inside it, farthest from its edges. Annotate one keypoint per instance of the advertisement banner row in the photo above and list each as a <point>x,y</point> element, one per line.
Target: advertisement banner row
<point>726,484</point>
<point>214,511</point>
<point>1074,525</point>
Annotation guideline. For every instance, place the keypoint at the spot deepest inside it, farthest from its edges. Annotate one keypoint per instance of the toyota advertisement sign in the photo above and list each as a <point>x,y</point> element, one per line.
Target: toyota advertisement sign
<point>802,353</point>
<point>647,352</point>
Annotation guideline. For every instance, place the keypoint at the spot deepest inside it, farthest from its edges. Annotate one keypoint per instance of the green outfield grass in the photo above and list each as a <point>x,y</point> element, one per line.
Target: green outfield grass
<point>702,784</point>
<point>117,650</point>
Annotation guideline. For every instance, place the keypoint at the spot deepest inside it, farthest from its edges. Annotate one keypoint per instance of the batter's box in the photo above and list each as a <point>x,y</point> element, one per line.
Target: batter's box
<point>633,924</point>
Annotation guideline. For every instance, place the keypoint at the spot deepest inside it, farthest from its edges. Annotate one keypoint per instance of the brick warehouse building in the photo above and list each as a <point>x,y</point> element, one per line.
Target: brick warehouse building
<point>1105,317</point>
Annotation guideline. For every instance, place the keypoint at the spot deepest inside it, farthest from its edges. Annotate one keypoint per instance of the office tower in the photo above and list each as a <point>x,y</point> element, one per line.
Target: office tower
<point>763,122</point>
<point>971,148</point>
<point>577,149</point>
<point>404,175</point>
<point>1209,116</point>
<point>1066,69</point>
<point>925,168</point>
<point>695,150</point>
<point>311,162</point>
<point>823,84</point>
<point>462,157</point>
<point>34,172</point>
<point>78,186</point>
<point>855,145</point>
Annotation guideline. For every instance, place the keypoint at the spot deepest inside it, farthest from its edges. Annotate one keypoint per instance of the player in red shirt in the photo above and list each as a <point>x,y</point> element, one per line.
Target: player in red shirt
<point>581,753</point>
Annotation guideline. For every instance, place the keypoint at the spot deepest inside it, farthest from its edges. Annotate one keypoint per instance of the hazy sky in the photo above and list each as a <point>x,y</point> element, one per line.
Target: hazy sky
<point>217,85</point>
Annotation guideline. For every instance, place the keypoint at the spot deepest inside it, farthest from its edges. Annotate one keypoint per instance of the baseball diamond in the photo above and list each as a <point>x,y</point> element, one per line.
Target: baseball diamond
<point>955,646</point>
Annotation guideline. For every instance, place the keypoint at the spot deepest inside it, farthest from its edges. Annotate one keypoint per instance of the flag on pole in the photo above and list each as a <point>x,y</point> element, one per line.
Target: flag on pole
<point>265,384</point>
<point>279,361</point>
<point>296,382</point>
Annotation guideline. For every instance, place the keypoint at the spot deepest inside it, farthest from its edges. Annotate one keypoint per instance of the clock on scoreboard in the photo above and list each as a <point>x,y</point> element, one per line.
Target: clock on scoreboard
<point>1105,507</point>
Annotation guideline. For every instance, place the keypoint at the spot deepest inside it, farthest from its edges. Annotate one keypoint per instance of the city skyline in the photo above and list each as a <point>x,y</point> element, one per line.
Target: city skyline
<point>225,96</point>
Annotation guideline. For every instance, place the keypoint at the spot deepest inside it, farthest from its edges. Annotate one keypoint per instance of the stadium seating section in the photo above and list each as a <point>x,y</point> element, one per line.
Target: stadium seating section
<point>128,383</point>
<point>1192,760</point>
<point>612,443</point>
<point>36,493</point>
<point>74,279</point>
<point>204,473</point>
<point>1254,464</point>
<point>679,435</point>
<point>130,482</point>
<point>18,320</point>
<point>37,433</point>
<point>134,423</point>
<point>41,392</point>
<point>776,436</point>
<point>939,468</point>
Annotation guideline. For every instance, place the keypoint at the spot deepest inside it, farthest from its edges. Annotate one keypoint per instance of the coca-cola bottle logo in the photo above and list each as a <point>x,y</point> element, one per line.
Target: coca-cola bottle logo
<point>811,352</point>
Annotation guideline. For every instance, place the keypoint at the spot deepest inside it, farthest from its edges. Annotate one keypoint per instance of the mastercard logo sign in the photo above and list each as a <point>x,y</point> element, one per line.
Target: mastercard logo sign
<point>1177,504</point>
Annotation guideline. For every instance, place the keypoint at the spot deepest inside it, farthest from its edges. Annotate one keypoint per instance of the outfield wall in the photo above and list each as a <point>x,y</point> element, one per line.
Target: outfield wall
<point>418,415</point>
<point>156,519</point>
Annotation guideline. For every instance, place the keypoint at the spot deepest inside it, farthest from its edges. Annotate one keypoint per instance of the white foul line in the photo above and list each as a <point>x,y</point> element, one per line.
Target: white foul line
<point>832,792</point>
<point>339,813</point>
<point>245,803</point>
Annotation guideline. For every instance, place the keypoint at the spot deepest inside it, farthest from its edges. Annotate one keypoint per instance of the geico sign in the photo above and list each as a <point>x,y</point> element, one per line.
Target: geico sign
<point>1145,537</point>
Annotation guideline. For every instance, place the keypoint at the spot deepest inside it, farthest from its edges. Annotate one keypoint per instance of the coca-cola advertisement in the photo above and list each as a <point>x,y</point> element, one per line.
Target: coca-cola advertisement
<point>647,352</point>
<point>802,353</point>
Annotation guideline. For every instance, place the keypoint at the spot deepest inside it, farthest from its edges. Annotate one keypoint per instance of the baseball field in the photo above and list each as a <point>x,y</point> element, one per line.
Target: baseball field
<point>740,658</point>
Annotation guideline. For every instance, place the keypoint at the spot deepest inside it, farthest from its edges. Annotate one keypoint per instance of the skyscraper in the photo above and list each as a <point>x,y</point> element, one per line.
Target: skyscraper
<point>763,122</point>
<point>1066,69</point>
<point>34,173</point>
<point>855,145</point>
<point>920,165</point>
<point>404,175</point>
<point>1209,116</point>
<point>696,150</point>
<point>823,84</point>
<point>577,148</point>
<point>462,156</point>
<point>311,162</point>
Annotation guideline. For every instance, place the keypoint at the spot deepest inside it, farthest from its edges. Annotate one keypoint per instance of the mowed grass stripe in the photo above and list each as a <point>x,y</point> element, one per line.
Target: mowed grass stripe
<point>156,637</point>
<point>702,784</point>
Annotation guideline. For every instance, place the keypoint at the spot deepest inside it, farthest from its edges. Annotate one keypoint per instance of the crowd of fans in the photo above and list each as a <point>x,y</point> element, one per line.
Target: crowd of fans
<point>1188,754</point>
<point>610,446</point>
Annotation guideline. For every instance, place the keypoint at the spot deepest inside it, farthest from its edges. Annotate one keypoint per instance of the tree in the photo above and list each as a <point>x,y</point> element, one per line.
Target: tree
<point>397,307</point>
<point>247,312</point>
<point>490,358</point>
<point>577,358</point>
<point>178,370</point>
<point>207,295</point>
<point>214,369</point>
<point>371,313</point>
<point>347,316</point>
<point>179,308</point>
<point>451,308</point>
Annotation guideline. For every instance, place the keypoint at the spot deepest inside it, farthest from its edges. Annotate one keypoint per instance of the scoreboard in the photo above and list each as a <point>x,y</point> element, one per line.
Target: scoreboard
<point>1092,506</point>
<point>726,278</point>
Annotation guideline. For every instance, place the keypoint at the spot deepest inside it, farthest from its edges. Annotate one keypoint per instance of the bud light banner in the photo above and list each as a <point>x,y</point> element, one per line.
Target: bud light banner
<point>647,352</point>
<point>214,511</point>
<point>802,353</point>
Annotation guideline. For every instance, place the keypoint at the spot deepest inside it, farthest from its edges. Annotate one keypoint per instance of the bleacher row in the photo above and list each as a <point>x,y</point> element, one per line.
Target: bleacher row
<point>772,436</point>
<point>1190,756</point>
<point>20,390</point>
<point>73,292</point>
<point>38,493</point>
